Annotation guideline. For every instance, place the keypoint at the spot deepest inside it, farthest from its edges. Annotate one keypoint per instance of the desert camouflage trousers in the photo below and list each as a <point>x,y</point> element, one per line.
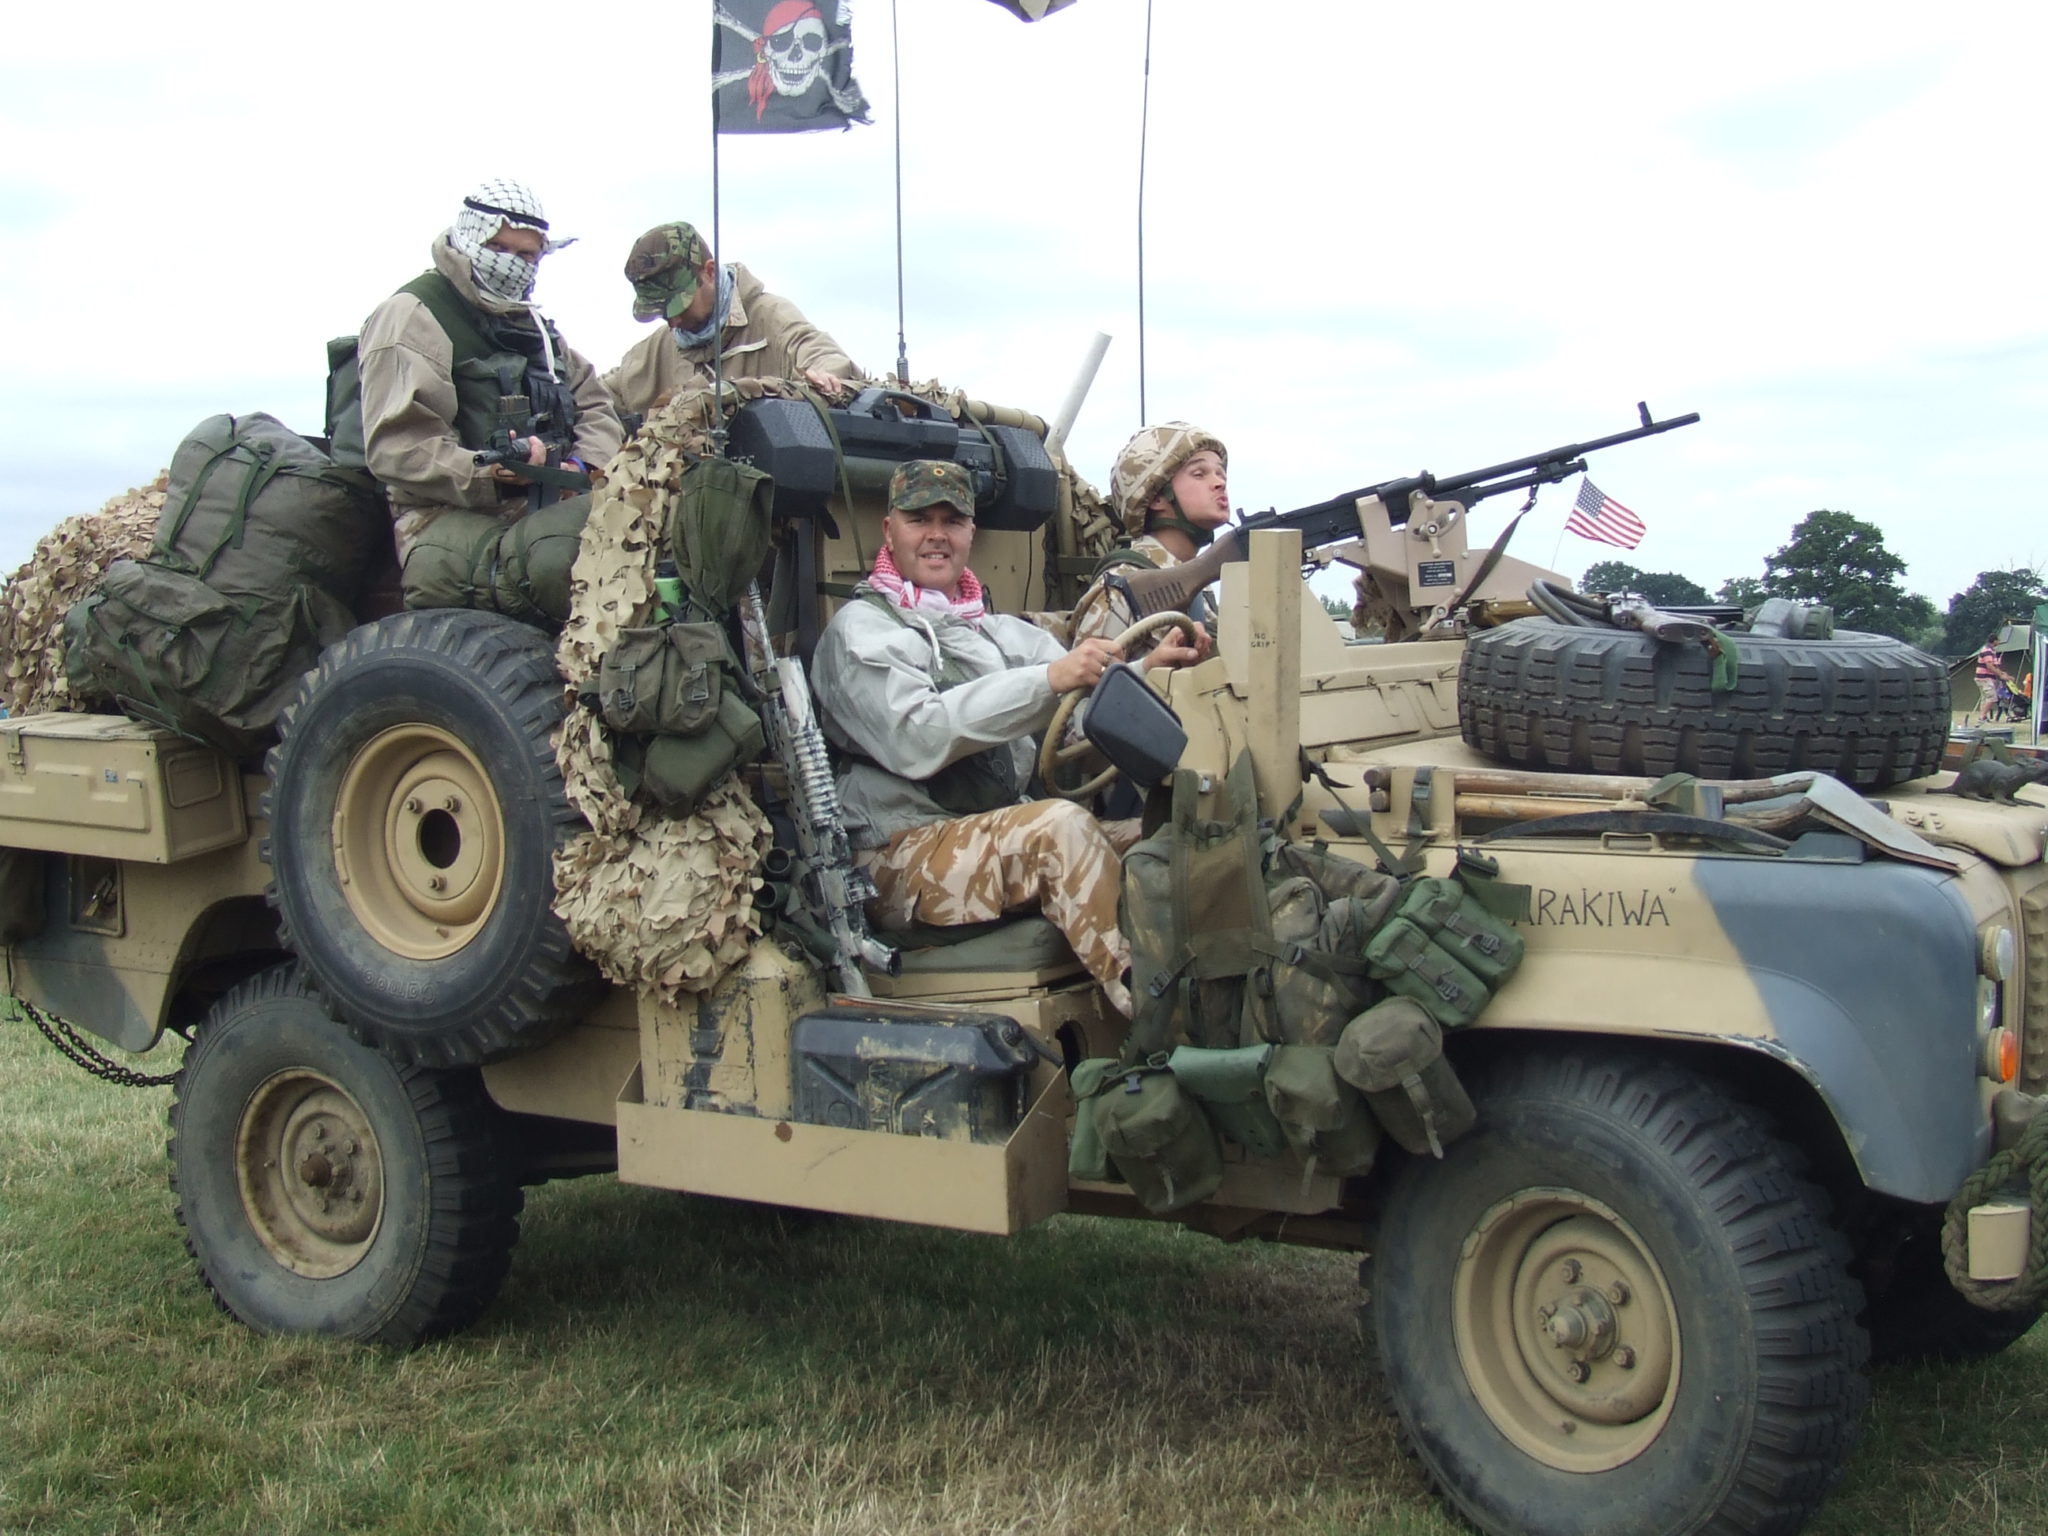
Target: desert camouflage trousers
<point>1050,854</point>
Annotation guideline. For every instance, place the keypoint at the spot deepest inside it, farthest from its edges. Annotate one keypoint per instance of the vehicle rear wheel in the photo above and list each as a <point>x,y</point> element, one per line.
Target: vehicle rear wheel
<point>325,1189</point>
<point>415,810</point>
<point>1613,1309</point>
<point>1866,708</point>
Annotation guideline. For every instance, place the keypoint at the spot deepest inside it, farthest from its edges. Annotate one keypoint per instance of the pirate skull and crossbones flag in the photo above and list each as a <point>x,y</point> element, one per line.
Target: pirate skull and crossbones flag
<point>783,66</point>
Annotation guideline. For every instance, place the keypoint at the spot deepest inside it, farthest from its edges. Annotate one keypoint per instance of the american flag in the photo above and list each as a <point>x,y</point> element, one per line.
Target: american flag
<point>1598,516</point>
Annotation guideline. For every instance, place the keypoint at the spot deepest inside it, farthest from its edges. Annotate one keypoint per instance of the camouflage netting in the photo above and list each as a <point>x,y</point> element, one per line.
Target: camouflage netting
<point>66,565</point>
<point>662,903</point>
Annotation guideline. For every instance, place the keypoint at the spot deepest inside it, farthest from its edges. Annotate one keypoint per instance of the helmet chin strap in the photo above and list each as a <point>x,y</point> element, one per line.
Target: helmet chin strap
<point>1178,522</point>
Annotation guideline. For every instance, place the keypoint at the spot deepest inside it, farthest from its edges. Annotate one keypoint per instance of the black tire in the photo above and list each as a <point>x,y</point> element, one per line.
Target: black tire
<point>415,809</point>
<point>1722,1390</point>
<point>1868,709</point>
<point>1914,1313</point>
<point>325,1189</point>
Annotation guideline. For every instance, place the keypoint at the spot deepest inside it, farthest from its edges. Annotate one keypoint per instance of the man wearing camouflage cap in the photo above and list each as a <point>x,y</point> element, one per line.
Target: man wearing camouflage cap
<point>711,310</point>
<point>932,701</point>
<point>422,424</point>
<point>1170,487</point>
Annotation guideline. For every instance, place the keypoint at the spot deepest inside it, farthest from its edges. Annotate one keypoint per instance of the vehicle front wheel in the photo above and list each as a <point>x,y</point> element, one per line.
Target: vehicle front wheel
<point>1613,1309</point>
<point>323,1188</point>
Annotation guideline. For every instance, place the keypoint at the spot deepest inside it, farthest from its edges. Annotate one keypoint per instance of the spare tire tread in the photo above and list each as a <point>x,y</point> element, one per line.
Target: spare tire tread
<point>1866,708</point>
<point>494,678</point>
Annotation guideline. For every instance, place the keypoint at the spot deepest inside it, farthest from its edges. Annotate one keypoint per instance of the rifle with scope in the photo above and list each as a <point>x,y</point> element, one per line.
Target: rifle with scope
<point>1337,520</point>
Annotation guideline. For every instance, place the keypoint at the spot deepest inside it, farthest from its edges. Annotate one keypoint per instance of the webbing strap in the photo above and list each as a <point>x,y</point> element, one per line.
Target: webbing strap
<point>453,313</point>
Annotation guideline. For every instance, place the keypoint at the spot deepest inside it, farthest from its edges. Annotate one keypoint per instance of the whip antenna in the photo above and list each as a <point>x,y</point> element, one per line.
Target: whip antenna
<point>896,65</point>
<point>1144,120</point>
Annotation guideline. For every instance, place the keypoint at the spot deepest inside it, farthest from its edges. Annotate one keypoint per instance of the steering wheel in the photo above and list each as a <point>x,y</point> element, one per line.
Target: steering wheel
<point>1052,756</point>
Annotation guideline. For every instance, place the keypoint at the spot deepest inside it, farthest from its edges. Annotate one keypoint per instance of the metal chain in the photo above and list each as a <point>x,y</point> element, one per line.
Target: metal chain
<point>84,1054</point>
<point>2021,1168</point>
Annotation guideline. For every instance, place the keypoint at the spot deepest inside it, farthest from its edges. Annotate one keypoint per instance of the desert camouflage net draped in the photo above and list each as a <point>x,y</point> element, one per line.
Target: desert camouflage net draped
<point>661,903</point>
<point>67,564</point>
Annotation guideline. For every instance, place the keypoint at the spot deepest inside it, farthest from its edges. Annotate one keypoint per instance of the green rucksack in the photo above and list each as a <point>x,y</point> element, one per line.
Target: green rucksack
<point>1233,943</point>
<point>259,555</point>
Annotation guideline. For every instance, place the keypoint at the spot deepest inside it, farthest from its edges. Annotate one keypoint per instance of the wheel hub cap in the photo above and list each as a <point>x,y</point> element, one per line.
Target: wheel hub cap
<point>311,1174</point>
<point>1565,1330</point>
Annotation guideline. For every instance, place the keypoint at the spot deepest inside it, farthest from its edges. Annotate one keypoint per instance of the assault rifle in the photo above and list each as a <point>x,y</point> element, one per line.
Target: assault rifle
<point>516,429</point>
<point>1339,519</point>
<point>832,889</point>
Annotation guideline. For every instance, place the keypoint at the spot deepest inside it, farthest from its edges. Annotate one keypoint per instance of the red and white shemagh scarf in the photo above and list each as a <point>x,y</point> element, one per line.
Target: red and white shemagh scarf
<point>968,607</point>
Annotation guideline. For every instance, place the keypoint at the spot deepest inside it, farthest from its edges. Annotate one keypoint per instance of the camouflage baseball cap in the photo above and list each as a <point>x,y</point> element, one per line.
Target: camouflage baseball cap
<point>663,270</point>
<point>930,483</point>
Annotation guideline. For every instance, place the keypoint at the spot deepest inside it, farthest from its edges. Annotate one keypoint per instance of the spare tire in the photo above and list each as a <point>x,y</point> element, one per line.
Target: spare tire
<point>1866,708</point>
<point>415,809</point>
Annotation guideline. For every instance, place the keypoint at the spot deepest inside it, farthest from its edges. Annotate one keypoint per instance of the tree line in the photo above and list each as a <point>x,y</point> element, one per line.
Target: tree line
<point>1840,560</point>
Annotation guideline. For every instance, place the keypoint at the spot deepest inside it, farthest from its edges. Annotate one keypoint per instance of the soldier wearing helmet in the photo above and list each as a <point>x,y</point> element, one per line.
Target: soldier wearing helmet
<point>932,701</point>
<point>1170,489</point>
<point>713,314</point>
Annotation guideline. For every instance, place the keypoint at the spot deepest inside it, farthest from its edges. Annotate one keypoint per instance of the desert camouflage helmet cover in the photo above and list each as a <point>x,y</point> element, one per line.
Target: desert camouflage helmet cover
<point>930,482</point>
<point>663,267</point>
<point>1149,462</point>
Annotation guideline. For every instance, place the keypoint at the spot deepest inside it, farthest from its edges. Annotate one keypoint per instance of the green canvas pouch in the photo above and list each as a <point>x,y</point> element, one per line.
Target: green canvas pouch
<point>1324,1118</point>
<point>1473,936</point>
<point>1162,1144</point>
<point>1394,1054</point>
<point>1414,965</point>
<point>667,678</point>
<point>721,529</point>
<point>1230,1084</point>
<point>1087,1158</point>
<point>677,772</point>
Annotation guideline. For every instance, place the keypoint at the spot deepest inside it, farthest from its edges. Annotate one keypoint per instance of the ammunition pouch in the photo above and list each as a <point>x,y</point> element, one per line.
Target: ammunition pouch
<point>677,772</point>
<point>1324,1118</point>
<point>668,678</point>
<point>1444,950</point>
<point>1150,1128</point>
<point>1394,1054</point>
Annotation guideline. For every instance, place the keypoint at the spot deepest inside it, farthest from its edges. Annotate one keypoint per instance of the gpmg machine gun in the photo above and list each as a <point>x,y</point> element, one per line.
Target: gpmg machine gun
<point>1657,1074</point>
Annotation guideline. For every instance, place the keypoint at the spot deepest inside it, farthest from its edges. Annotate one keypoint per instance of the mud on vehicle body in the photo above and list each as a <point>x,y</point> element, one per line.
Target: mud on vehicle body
<point>1765,1036</point>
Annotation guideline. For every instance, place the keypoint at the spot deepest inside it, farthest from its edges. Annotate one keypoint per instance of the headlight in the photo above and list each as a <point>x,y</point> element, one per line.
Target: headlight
<point>1998,952</point>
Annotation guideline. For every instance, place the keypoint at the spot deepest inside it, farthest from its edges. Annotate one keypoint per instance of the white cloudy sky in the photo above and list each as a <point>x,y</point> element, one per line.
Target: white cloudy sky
<point>1380,238</point>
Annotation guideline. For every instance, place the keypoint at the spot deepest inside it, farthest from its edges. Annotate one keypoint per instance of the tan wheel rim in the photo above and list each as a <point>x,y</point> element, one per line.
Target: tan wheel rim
<point>1566,1331</point>
<point>311,1174</point>
<point>419,844</point>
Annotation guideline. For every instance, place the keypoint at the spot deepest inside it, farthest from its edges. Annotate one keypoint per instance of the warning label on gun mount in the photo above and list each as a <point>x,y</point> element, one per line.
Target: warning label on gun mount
<point>1437,573</point>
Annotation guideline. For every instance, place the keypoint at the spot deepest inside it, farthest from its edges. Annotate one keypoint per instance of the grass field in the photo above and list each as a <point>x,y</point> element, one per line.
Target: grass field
<point>663,1364</point>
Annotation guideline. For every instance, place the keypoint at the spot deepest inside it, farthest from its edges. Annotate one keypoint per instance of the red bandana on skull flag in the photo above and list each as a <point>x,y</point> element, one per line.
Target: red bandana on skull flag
<point>783,66</point>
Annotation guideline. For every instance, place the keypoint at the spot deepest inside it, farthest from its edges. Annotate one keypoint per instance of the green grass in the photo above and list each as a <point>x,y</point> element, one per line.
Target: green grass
<point>663,1364</point>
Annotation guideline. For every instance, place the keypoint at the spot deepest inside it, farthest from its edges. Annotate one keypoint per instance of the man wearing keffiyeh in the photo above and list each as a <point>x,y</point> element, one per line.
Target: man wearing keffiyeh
<point>427,410</point>
<point>932,701</point>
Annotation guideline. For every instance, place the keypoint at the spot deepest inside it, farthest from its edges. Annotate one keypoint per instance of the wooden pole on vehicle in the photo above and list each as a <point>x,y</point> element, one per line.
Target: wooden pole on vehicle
<point>1273,690</point>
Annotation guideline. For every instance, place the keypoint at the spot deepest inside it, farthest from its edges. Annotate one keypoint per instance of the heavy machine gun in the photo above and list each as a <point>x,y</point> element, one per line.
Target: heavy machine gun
<point>1428,552</point>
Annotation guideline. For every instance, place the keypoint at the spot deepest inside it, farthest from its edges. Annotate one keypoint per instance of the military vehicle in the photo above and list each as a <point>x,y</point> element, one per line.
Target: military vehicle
<point>1757,1101</point>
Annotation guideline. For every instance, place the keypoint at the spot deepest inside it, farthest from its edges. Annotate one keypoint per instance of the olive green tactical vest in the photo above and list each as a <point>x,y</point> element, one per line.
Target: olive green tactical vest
<point>985,780</point>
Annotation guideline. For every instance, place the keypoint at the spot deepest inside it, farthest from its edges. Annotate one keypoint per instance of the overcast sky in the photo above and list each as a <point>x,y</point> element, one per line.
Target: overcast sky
<point>1379,238</point>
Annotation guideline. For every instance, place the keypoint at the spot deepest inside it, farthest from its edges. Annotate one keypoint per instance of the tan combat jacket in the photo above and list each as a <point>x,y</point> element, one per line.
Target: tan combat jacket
<point>409,406</point>
<point>1104,612</point>
<point>765,337</point>
<point>876,695</point>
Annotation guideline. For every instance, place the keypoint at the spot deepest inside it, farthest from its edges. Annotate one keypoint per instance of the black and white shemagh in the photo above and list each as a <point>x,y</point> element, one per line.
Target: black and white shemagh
<point>501,274</point>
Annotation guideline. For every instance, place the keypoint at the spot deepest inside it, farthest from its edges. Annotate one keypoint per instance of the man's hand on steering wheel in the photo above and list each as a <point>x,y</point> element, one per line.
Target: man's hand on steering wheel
<point>1083,666</point>
<point>1175,649</point>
